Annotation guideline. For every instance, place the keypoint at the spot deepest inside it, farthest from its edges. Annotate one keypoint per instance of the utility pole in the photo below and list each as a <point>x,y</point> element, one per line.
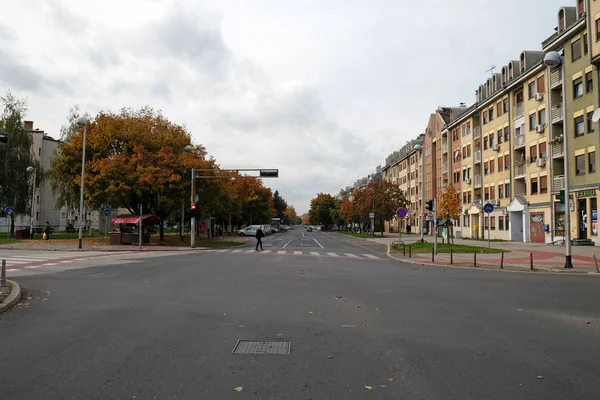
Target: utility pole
<point>193,219</point>
<point>435,226</point>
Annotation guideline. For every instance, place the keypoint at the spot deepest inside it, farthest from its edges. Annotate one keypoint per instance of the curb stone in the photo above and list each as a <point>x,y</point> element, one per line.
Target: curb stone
<point>13,297</point>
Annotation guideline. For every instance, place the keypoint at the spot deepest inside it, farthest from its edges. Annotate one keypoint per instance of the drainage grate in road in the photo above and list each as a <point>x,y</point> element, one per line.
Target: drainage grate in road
<point>261,347</point>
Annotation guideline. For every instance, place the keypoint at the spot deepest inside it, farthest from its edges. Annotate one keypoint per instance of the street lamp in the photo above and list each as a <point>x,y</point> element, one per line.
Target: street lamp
<point>30,169</point>
<point>553,59</point>
<point>82,121</point>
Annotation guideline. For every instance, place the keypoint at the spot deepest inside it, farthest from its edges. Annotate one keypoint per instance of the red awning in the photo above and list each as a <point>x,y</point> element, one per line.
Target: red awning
<point>133,219</point>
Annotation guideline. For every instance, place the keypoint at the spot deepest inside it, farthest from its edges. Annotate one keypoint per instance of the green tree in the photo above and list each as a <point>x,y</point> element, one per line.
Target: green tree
<point>320,209</point>
<point>280,206</point>
<point>15,156</point>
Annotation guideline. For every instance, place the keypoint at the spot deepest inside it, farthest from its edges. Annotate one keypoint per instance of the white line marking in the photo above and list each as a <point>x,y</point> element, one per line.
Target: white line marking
<point>281,252</point>
<point>48,264</point>
<point>372,256</point>
<point>314,253</point>
<point>351,255</point>
<point>237,251</point>
<point>65,262</point>
<point>266,251</point>
<point>250,251</point>
<point>9,261</point>
<point>318,243</point>
<point>298,253</point>
<point>33,266</point>
<point>221,251</point>
<point>11,270</point>
<point>287,243</point>
<point>332,254</point>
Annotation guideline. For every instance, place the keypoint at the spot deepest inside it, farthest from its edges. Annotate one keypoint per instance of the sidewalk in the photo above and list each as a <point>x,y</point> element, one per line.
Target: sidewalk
<point>545,257</point>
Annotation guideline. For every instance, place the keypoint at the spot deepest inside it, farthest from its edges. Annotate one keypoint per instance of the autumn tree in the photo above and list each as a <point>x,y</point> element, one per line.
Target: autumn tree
<point>290,215</point>
<point>280,205</point>
<point>15,156</point>
<point>449,207</point>
<point>381,197</point>
<point>320,209</point>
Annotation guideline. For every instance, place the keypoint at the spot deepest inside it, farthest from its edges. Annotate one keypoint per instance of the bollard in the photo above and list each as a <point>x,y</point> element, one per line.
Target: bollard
<point>596,263</point>
<point>403,249</point>
<point>531,261</point>
<point>409,251</point>
<point>475,259</point>
<point>451,257</point>
<point>432,255</point>
<point>502,260</point>
<point>3,274</point>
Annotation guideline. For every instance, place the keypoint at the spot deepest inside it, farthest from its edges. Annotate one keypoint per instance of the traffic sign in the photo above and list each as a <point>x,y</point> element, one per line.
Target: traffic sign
<point>371,215</point>
<point>106,212</point>
<point>362,220</point>
<point>401,212</point>
<point>9,210</point>
<point>488,208</point>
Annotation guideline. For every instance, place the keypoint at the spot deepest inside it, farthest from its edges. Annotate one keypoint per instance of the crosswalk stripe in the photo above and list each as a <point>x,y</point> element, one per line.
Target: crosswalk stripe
<point>48,264</point>
<point>33,266</point>
<point>222,251</point>
<point>281,252</point>
<point>9,261</point>
<point>332,254</point>
<point>297,252</point>
<point>266,251</point>
<point>11,270</point>
<point>314,253</point>
<point>237,251</point>
<point>351,255</point>
<point>250,251</point>
<point>371,256</point>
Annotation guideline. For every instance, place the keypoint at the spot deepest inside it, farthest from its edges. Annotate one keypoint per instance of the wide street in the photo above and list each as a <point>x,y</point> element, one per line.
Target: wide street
<point>359,326</point>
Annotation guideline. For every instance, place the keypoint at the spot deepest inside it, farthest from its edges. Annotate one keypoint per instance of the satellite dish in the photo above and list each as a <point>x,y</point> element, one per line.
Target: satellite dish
<point>596,115</point>
<point>552,59</point>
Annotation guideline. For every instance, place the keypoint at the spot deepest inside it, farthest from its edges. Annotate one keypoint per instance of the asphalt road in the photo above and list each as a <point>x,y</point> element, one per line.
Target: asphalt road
<point>165,327</point>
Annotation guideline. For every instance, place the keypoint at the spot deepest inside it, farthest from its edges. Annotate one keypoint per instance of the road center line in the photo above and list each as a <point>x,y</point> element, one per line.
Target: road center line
<point>318,243</point>
<point>290,241</point>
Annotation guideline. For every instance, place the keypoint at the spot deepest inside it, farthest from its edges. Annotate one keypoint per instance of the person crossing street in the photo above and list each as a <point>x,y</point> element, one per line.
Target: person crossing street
<point>259,235</point>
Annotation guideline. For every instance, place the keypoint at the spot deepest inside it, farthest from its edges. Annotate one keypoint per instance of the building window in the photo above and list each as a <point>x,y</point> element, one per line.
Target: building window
<point>598,30</point>
<point>486,170</point>
<point>576,50</point>
<point>506,222</point>
<point>500,223</point>
<point>532,153</point>
<point>40,151</point>
<point>485,117</point>
<point>534,186</point>
<point>542,117</point>
<point>506,134</point>
<point>505,105</point>
<point>492,192</point>
<point>500,136</point>
<point>543,184</point>
<point>466,220</point>
<point>491,140</point>
<point>486,194</point>
<point>491,114</point>
<point>590,123</point>
<point>532,118</point>
<point>589,82</point>
<point>579,126</point>
<point>500,164</point>
<point>585,43</point>
<point>499,109</point>
<point>531,90</point>
<point>592,162</point>
<point>507,161</point>
<point>519,98</point>
<point>542,151</point>
<point>486,223</point>
<point>493,227</point>
<point>468,150</point>
<point>500,191</point>
<point>580,164</point>
<point>541,84</point>
<point>469,197</point>
<point>577,88</point>
<point>485,143</point>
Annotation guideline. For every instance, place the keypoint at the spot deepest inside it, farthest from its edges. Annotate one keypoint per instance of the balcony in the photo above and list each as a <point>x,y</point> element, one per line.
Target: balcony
<point>556,78</point>
<point>477,157</point>
<point>556,115</point>
<point>444,148</point>
<point>519,110</point>
<point>558,183</point>
<point>477,133</point>
<point>477,181</point>
<point>558,150</point>
<point>520,170</point>
<point>519,141</point>
<point>444,168</point>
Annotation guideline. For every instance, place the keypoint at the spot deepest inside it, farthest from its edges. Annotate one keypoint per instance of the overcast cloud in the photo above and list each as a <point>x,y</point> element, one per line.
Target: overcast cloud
<point>323,90</point>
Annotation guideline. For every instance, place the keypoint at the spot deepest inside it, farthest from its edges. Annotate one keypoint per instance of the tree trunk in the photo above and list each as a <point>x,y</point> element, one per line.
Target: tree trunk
<point>162,229</point>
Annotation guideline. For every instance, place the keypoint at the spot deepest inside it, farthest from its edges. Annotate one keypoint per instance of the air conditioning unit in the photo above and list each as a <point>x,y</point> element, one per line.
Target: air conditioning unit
<point>539,96</point>
<point>540,128</point>
<point>541,162</point>
<point>496,147</point>
<point>497,203</point>
<point>468,181</point>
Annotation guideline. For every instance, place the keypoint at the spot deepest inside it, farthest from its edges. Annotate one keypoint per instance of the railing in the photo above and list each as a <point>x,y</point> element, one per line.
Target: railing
<point>557,150</point>
<point>520,170</point>
<point>556,77</point>
<point>444,148</point>
<point>477,133</point>
<point>477,181</point>
<point>519,110</point>
<point>558,183</point>
<point>556,114</point>
<point>519,141</point>
<point>477,157</point>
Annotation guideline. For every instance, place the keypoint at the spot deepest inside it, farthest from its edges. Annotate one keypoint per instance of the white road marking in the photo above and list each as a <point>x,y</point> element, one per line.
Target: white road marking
<point>33,266</point>
<point>65,262</point>
<point>237,251</point>
<point>48,264</point>
<point>251,251</point>
<point>314,253</point>
<point>297,252</point>
<point>318,243</point>
<point>351,255</point>
<point>281,252</point>
<point>266,251</point>
<point>287,243</point>
<point>332,254</point>
<point>11,270</point>
<point>372,256</point>
<point>222,251</point>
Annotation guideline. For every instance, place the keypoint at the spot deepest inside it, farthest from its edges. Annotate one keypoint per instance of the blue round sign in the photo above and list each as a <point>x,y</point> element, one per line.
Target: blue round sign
<point>107,212</point>
<point>9,210</point>
<point>401,212</point>
<point>488,208</point>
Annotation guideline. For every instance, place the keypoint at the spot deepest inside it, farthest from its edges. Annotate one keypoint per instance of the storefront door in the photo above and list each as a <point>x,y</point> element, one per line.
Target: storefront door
<point>583,219</point>
<point>536,226</point>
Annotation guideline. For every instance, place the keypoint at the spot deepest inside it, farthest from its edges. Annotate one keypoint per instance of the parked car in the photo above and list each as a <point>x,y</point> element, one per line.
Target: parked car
<point>248,231</point>
<point>309,229</point>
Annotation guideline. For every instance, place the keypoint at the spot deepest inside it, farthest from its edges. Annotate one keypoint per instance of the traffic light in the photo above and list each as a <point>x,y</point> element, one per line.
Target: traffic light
<point>429,205</point>
<point>269,173</point>
<point>194,210</point>
<point>3,138</point>
<point>561,197</point>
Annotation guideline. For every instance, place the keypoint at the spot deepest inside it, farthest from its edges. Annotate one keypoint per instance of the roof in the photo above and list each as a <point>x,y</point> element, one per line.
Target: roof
<point>133,219</point>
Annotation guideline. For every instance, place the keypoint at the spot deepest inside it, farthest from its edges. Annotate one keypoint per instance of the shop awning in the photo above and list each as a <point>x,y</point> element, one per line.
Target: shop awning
<point>133,219</point>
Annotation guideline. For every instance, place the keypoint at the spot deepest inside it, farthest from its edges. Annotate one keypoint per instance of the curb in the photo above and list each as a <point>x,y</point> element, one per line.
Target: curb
<point>136,249</point>
<point>487,267</point>
<point>13,297</point>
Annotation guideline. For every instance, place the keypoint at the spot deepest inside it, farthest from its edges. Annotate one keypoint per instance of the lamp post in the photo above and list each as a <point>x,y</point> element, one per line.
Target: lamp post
<point>553,59</point>
<point>82,121</point>
<point>419,149</point>
<point>30,169</point>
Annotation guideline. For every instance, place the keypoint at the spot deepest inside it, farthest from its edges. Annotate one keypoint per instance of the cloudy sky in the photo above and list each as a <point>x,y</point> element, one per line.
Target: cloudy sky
<point>323,90</point>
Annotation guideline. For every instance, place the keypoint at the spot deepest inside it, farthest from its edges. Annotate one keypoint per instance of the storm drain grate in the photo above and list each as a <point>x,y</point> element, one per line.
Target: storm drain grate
<point>261,347</point>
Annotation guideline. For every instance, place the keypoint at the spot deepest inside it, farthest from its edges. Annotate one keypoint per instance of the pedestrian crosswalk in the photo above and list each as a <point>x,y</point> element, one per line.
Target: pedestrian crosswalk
<point>33,260</point>
<point>302,253</point>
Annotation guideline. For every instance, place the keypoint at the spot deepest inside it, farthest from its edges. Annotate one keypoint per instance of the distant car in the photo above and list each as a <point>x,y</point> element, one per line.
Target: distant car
<point>309,229</point>
<point>249,231</point>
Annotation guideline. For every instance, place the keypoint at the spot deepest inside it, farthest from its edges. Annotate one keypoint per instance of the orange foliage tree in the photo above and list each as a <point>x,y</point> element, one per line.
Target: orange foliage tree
<point>382,197</point>
<point>449,207</point>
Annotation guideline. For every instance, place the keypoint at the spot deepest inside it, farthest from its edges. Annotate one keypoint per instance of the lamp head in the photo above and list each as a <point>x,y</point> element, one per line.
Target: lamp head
<point>81,121</point>
<point>552,59</point>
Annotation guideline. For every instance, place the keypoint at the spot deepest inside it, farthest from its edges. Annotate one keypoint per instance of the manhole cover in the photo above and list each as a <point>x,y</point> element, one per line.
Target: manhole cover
<point>261,347</point>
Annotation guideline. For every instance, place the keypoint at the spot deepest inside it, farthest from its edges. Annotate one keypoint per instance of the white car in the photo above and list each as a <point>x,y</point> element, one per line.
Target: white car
<point>248,231</point>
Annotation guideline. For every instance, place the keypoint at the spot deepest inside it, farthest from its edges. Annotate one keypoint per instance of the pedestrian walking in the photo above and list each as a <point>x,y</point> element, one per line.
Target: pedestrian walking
<point>259,235</point>
<point>407,228</point>
<point>47,231</point>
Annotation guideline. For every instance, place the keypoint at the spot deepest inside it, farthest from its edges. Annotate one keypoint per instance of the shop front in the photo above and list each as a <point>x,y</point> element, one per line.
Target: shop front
<point>584,213</point>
